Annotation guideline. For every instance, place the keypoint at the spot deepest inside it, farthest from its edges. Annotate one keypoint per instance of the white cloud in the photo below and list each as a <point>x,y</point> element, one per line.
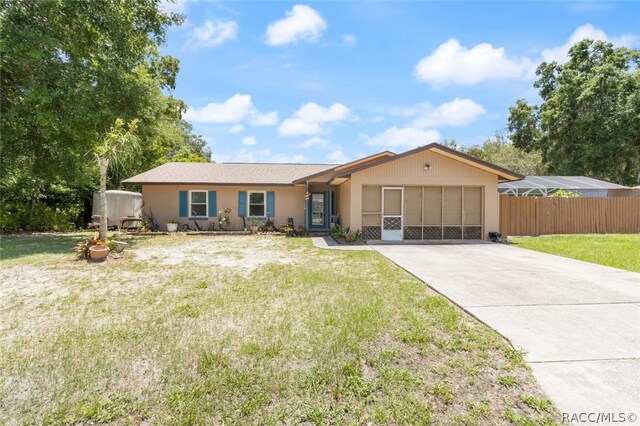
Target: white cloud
<point>452,63</point>
<point>260,156</point>
<point>315,142</point>
<point>349,40</point>
<point>313,112</point>
<point>407,137</point>
<point>296,127</point>
<point>300,23</point>
<point>234,110</point>
<point>268,119</point>
<point>338,156</point>
<point>308,120</point>
<point>559,53</point>
<point>458,112</point>
<point>212,34</point>
<point>237,128</point>
<point>249,140</point>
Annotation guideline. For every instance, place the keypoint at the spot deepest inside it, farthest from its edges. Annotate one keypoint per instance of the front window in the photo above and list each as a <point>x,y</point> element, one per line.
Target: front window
<point>198,204</point>
<point>257,204</point>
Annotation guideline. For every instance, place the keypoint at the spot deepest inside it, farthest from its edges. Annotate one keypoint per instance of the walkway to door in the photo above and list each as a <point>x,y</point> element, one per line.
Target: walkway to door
<point>578,322</point>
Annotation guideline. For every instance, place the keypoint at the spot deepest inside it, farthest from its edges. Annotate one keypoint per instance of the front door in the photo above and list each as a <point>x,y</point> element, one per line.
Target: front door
<point>318,210</point>
<point>392,213</point>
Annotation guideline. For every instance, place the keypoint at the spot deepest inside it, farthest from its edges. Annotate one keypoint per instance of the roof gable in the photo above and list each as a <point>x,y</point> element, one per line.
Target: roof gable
<point>502,173</point>
<point>347,166</point>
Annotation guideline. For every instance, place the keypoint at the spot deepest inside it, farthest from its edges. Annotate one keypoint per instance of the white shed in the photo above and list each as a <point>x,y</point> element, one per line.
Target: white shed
<point>120,205</point>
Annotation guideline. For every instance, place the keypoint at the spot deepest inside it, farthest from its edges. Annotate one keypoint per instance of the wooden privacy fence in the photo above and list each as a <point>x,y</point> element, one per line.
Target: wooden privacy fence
<point>555,215</point>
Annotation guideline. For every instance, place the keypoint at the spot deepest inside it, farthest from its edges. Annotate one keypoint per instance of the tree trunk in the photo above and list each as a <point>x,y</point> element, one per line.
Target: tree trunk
<point>103,197</point>
<point>34,197</point>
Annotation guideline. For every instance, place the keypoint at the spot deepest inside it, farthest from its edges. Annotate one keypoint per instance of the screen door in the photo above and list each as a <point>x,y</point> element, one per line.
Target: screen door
<point>392,213</point>
<point>317,210</point>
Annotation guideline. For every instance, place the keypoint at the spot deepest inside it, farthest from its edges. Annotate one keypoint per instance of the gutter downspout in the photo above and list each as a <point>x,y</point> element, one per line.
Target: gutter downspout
<point>306,204</point>
<point>330,205</point>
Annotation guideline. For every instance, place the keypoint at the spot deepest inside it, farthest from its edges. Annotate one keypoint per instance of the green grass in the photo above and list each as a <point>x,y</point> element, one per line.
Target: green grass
<point>616,250</point>
<point>250,330</point>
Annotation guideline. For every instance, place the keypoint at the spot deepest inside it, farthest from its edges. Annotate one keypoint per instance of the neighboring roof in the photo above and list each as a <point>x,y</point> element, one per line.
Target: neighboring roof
<point>227,173</point>
<point>503,174</point>
<point>546,184</point>
<point>351,165</point>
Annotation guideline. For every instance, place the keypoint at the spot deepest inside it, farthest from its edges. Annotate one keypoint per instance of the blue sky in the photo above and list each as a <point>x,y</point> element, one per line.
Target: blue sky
<point>329,82</point>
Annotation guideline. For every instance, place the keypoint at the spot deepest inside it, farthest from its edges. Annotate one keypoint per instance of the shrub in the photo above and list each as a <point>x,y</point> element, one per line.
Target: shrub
<point>224,218</point>
<point>22,217</point>
<point>346,234</point>
<point>339,233</point>
<point>82,248</point>
<point>353,236</point>
<point>563,193</point>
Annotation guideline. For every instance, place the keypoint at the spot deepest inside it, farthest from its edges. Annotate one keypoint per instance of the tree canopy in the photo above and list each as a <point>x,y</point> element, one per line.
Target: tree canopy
<point>68,70</point>
<point>589,120</point>
<point>499,150</point>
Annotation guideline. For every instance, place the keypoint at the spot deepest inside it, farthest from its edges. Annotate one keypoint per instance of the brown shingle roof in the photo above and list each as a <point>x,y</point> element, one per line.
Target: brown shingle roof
<point>227,173</point>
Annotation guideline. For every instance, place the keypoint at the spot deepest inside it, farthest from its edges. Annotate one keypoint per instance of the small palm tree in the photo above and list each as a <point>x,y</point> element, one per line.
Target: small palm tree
<point>119,145</point>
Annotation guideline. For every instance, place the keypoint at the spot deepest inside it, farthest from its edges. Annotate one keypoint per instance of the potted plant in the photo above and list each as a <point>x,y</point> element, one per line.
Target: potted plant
<point>98,251</point>
<point>172,226</point>
<point>255,226</point>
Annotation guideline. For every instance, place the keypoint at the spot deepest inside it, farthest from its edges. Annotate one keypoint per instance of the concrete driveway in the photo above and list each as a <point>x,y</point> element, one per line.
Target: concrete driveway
<point>578,322</point>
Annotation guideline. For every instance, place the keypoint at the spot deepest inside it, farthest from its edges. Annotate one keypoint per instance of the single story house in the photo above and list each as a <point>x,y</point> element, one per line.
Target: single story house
<point>544,186</point>
<point>431,193</point>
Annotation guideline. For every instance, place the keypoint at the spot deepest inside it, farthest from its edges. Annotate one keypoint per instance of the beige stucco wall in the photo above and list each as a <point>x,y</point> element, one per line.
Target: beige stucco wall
<point>163,201</point>
<point>410,171</point>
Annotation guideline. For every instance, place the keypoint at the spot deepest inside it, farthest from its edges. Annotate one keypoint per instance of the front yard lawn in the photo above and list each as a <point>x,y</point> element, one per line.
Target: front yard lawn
<point>616,250</point>
<point>243,330</point>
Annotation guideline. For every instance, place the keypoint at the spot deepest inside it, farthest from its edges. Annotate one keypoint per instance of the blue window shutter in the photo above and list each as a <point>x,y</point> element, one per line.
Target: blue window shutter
<point>213,204</point>
<point>183,204</point>
<point>242,203</point>
<point>271,203</point>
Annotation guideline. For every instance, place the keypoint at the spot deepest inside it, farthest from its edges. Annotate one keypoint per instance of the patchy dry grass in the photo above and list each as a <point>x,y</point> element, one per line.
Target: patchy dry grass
<point>243,330</point>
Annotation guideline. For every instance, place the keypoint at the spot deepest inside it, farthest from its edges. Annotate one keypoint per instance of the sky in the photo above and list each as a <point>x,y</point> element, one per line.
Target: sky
<point>333,81</point>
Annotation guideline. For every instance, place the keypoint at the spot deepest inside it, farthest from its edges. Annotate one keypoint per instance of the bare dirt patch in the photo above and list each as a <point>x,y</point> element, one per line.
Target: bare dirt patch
<point>244,253</point>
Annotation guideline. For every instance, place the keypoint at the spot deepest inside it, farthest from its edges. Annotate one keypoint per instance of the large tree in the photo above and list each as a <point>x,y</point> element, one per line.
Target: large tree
<point>68,69</point>
<point>501,151</point>
<point>589,120</point>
